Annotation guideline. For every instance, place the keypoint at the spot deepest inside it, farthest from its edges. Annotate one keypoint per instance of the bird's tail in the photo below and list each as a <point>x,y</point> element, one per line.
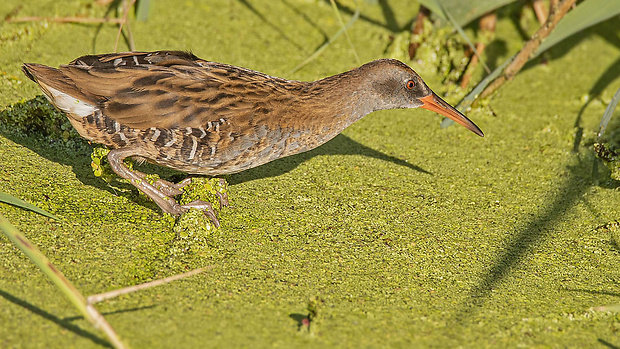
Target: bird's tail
<point>60,90</point>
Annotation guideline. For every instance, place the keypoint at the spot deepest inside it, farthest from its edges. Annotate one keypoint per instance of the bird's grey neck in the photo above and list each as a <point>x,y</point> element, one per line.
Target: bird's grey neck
<point>348,96</point>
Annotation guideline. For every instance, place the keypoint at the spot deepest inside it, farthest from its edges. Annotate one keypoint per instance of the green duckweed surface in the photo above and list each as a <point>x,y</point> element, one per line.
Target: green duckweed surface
<point>394,234</point>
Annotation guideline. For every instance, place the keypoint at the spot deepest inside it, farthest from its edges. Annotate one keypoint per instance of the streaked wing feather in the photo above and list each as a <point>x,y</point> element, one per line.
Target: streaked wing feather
<point>190,92</point>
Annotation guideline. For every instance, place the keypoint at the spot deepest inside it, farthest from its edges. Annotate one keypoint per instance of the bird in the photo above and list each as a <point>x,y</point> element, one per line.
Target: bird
<point>176,110</point>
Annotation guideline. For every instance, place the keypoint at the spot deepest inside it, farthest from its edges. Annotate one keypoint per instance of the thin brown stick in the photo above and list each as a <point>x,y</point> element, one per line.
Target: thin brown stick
<point>107,295</point>
<point>123,22</point>
<point>65,20</point>
<point>418,29</point>
<point>473,62</point>
<point>132,45</point>
<point>487,26</point>
<point>555,15</point>
<point>540,11</point>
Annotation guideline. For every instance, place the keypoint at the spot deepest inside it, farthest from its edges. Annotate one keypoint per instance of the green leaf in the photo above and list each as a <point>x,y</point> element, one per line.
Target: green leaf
<point>463,12</point>
<point>609,111</point>
<point>585,15</point>
<point>142,10</point>
<point>12,200</point>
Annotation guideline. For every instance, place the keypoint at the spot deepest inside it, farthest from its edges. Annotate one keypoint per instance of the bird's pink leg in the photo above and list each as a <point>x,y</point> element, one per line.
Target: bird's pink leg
<point>163,197</point>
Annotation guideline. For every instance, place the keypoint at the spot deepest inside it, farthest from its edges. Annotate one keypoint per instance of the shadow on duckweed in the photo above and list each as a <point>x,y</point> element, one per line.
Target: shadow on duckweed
<point>64,323</point>
<point>578,180</point>
<point>299,319</point>
<point>36,125</point>
<point>607,344</point>
<point>390,23</point>
<point>340,145</point>
<point>120,311</point>
<point>606,78</point>
<point>274,27</point>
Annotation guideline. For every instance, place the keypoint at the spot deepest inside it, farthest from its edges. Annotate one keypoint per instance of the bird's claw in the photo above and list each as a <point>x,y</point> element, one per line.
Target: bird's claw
<point>206,208</point>
<point>170,190</point>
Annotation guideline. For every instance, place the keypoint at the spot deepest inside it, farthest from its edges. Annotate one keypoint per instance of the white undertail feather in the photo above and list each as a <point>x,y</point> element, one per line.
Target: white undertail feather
<point>67,103</point>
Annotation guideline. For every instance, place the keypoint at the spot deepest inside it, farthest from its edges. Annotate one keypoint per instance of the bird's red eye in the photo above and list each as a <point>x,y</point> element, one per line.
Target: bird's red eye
<point>410,84</point>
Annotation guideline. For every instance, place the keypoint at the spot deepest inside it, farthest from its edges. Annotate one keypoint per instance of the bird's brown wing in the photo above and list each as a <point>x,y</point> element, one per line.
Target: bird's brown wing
<point>176,89</point>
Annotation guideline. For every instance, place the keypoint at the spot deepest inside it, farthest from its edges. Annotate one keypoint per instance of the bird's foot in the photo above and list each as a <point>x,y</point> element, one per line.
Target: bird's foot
<point>170,190</point>
<point>219,187</point>
<point>195,192</point>
<point>202,190</point>
<point>206,208</point>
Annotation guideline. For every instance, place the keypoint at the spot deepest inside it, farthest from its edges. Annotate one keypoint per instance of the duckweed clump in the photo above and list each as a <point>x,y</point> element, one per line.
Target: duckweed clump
<point>195,231</point>
<point>443,49</point>
<point>38,117</point>
<point>206,189</point>
<point>612,228</point>
<point>101,167</point>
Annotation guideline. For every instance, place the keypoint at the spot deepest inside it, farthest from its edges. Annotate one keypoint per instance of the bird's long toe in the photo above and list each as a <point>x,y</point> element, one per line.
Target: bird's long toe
<point>206,207</point>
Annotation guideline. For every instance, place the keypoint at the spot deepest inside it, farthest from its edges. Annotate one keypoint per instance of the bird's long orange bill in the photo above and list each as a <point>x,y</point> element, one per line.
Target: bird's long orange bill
<point>435,103</point>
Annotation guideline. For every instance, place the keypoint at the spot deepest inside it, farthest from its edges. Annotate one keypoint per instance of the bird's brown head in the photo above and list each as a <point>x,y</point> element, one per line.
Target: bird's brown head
<point>396,85</point>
